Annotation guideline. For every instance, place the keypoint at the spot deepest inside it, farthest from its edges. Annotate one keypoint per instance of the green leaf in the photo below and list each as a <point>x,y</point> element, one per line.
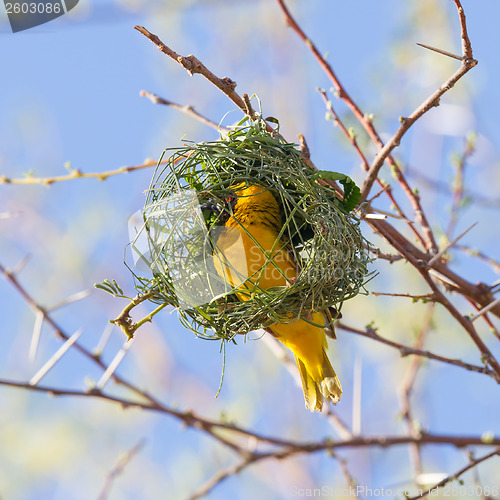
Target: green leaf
<point>352,193</point>
<point>272,119</point>
<point>111,287</point>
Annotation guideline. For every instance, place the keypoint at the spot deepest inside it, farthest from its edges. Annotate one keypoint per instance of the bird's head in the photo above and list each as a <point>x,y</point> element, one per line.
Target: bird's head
<point>243,202</point>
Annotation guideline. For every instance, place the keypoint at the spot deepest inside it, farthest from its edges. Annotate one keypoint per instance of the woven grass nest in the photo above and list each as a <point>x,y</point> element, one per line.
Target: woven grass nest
<point>179,234</point>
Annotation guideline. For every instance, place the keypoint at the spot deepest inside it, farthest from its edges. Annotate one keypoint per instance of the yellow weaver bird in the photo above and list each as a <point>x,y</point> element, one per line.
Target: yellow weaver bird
<point>254,225</point>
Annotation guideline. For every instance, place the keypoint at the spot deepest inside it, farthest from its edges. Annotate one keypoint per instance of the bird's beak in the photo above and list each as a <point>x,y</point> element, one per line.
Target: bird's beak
<point>211,207</point>
<point>213,213</point>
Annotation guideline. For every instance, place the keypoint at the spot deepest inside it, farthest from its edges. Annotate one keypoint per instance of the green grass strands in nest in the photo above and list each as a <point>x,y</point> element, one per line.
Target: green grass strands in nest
<point>323,235</point>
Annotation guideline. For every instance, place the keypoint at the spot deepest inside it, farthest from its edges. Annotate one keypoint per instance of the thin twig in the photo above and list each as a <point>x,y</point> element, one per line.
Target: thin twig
<point>222,474</point>
<point>349,478</point>
<point>466,45</point>
<point>188,110</point>
<point>406,389</point>
<point>479,293</point>
<point>367,124</point>
<point>249,111</point>
<point>407,351</point>
<point>457,474</point>
<point>433,100</point>
<point>76,174</point>
<point>426,297</point>
<point>459,186</point>
<point>386,188</point>
<point>438,256</point>
<point>123,461</point>
<point>69,300</point>
<point>480,255</point>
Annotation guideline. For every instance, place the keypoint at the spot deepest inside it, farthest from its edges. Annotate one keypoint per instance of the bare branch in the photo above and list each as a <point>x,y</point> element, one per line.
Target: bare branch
<point>222,474</point>
<point>479,293</point>
<point>367,124</point>
<point>407,122</point>
<point>407,388</point>
<point>407,351</point>
<point>480,255</point>
<point>459,185</point>
<point>192,65</point>
<point>466,45</point>
<point>349,136</point>
<point>457,474</point>
<point>433,100</point>
<point>76,174</point>
<point>188,110</point>
<point>448,246</point>
<point>386,188</point>
<point>286,447</point>
<point>119,468</point>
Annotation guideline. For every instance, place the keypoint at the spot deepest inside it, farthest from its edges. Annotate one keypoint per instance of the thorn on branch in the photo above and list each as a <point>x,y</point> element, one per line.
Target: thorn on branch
<point>440,51</point>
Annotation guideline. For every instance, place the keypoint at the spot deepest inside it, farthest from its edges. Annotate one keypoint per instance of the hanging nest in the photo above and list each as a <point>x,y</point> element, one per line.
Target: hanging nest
<point>175,246</point>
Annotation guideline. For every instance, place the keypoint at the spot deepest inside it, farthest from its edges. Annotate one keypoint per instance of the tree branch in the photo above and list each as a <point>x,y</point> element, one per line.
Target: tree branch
<point>188,110</point>
<point>367,124</point>
<point>457,474</point>
<point>407,351</point>
<point>192,65</point>
<point>406,122</point>
<point>77,174</point>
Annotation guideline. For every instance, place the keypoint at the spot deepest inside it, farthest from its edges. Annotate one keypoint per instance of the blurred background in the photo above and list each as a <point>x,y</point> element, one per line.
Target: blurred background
<point>70,99</point>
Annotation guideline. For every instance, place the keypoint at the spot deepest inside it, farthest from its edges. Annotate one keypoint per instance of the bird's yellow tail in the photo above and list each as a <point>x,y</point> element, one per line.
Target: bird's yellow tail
<point>308,343</point>
<point>315,391</point>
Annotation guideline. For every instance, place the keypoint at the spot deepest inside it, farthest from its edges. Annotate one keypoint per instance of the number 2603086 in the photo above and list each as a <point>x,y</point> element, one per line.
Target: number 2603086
<point>33,8</point>
<point>469,491</point>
